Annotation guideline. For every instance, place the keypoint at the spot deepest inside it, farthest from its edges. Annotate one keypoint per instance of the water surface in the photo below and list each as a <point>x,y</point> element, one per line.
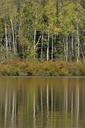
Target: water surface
<point>42,102</point>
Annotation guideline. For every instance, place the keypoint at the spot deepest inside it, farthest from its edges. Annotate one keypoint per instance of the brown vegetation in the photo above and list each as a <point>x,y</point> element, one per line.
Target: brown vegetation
<point>37,68</point>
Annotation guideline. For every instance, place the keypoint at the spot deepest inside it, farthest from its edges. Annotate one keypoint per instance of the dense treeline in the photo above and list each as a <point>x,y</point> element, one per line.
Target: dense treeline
<point>42,29</point>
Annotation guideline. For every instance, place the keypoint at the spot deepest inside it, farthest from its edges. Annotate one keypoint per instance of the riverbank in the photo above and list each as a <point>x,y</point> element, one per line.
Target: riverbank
<point>37,68</point>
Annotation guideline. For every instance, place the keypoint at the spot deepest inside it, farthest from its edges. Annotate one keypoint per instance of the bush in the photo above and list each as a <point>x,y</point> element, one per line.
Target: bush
<point>37,68</point>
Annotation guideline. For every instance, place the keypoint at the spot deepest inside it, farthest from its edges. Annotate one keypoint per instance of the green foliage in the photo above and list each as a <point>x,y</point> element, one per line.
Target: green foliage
<point>71,15</point>
<point>20,19</point>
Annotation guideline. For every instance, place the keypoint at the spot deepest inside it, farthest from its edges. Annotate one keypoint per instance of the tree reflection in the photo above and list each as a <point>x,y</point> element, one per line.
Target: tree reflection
<point>45,104</point>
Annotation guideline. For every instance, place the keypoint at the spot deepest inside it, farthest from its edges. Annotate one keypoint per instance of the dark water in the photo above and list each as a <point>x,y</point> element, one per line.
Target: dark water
<point>42,102</point>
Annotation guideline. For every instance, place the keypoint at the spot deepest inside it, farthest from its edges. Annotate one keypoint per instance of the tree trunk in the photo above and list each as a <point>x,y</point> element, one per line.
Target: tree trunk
<point>72,47</point>
<point>42,47</point>
<point>66,50</point>
<point>13,37</point>
<point>52,52</point>
<point>78,43</point>
<point>6,40</point>
<point>48,47</point>
<point>34,42</point>
<point>35,34</point>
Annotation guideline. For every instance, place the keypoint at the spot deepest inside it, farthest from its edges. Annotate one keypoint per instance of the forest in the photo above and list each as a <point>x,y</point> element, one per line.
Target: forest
<point>42,30</point>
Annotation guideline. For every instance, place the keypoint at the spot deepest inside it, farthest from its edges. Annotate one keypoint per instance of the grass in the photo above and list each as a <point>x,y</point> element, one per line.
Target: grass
<point>37,68</point>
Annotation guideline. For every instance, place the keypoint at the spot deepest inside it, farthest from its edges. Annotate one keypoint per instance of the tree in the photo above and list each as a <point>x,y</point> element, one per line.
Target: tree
<point>71,20</point>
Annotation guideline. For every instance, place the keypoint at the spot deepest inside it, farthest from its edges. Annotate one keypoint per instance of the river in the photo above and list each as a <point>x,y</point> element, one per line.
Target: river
<point>27,102</point>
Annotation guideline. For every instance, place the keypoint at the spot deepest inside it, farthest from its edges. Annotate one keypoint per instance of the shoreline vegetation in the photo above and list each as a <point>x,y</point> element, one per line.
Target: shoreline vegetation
<point>42,68</point>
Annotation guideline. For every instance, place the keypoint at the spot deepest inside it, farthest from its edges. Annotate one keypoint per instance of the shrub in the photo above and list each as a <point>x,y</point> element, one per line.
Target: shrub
<point>37,68</point>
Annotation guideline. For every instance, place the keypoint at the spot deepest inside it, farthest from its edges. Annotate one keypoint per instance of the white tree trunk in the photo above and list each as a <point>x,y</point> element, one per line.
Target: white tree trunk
<point>34,42</point>
<point>42,47</point>
<point>6,40</point>
<point>52,52</point>
<point>72,47</point>
<point>13,37</point>
<point>78,43</point>
<point>48,47</point>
